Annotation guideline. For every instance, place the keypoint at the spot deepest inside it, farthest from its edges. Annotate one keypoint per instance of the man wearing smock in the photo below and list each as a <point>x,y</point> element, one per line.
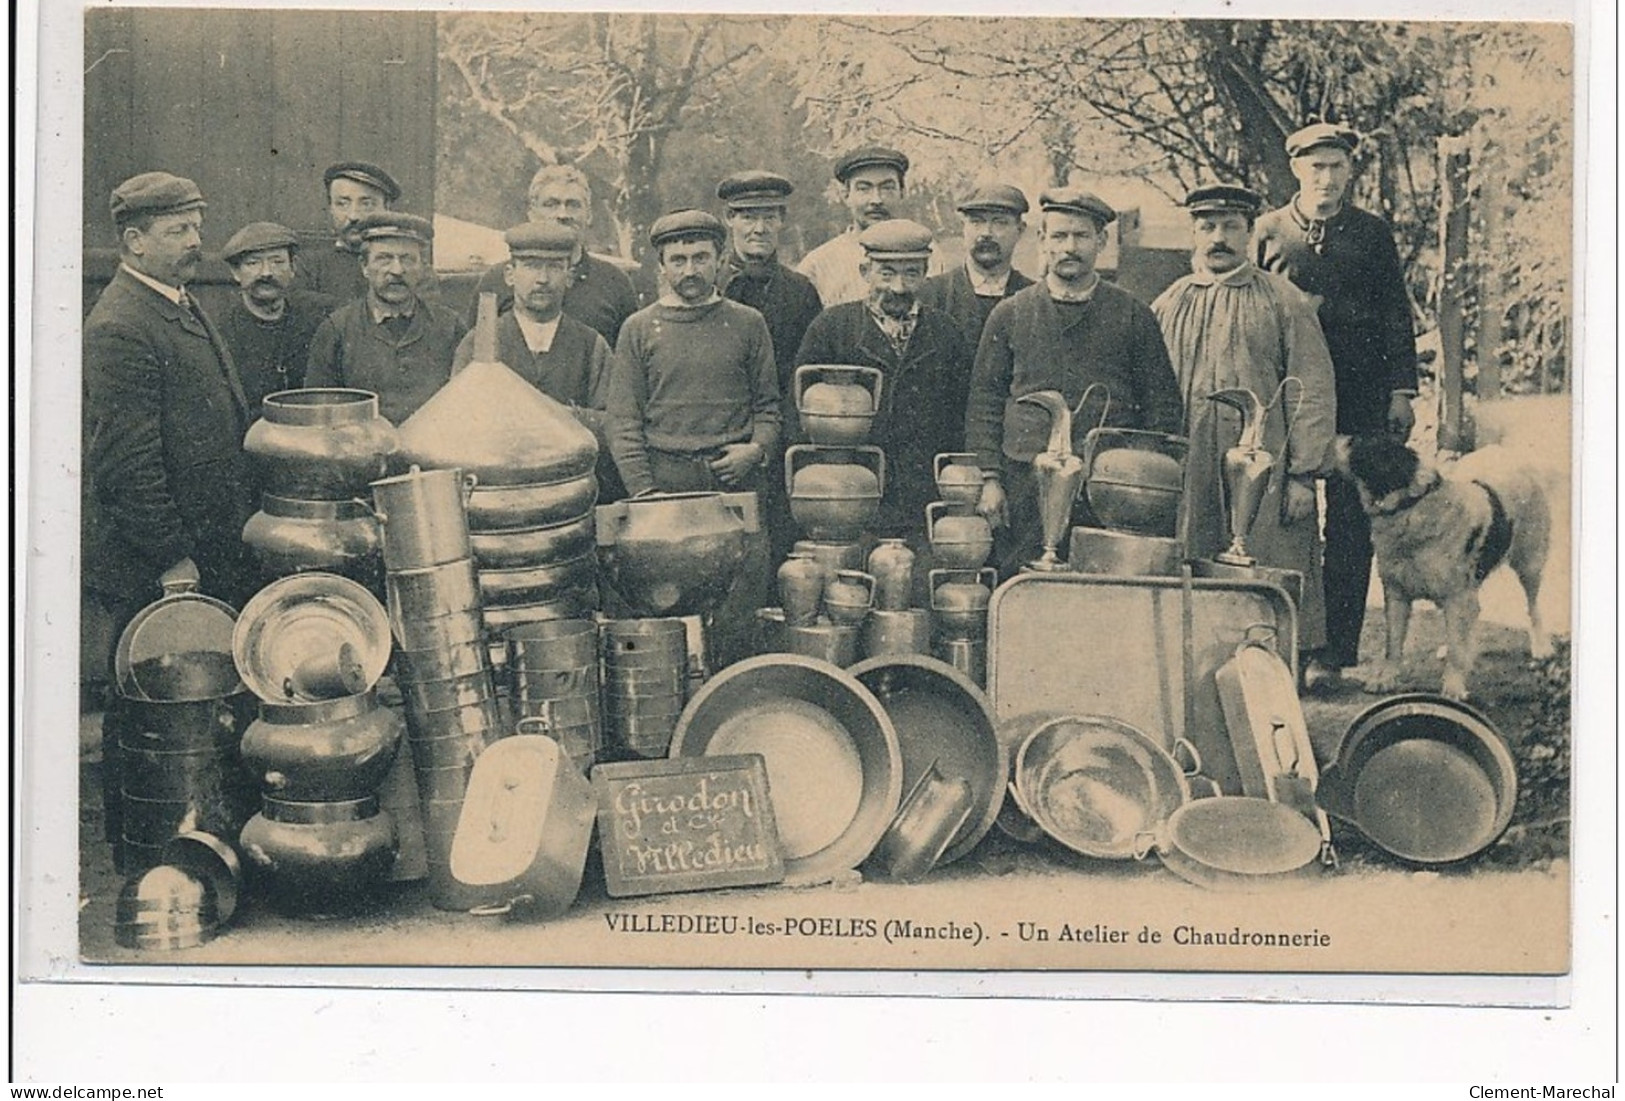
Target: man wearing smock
<point>391,340</point>
<point>871,180</point>
<point>694,398</point>
<point>994,222</point>
<point>1230,325</point>
<point>1067,333</point>
<point>270,324</point>
<point>1346,258</point>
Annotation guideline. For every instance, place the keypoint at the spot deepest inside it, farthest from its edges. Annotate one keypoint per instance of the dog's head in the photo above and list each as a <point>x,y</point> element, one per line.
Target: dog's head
<point>1382,467</point>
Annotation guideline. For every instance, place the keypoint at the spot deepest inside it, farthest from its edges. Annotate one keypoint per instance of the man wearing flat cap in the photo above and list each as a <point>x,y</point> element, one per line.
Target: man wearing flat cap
<point>599,294</point>
<point>694,399</point>
<point>331,263</point>
<point>756,204</point>
<point>993,224</point>
<point>391,340</point>
<point>538,341</point>
<point>167,488</point>
<point>1228,325</point>
<point>1069,332</point>
<point>925,366</point>
<point>1346,258</point>
<point>872,181</point>
<point>269,325</point>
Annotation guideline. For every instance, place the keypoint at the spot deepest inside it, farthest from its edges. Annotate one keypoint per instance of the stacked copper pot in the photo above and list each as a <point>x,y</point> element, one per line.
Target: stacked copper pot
<point>553,677</point>
<point>315,451</point>
<point>532,467</point>
<point>170,740</point>
<point>443,661</point>
<point>961,586</point>
<point>312,647</point>
<point>645,684</point>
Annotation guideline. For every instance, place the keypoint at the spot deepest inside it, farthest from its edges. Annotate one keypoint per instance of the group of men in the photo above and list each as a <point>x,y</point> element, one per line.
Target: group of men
<point>694,391</point>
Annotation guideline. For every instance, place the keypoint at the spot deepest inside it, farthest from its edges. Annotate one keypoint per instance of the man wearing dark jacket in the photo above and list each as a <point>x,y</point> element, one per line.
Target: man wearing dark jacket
<point>168,488</point>
<point>269,325</point>
<point>924,361</point>
<point>993,226</point>
<point>1067,333</point>
<point>1345,257</point>
<point>332,262</point>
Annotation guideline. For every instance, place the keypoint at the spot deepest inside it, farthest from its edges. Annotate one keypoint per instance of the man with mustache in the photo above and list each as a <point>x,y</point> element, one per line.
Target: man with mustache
<point>167,486</point>
<point>872,179</point>
<point>1067,333</point>
<point>599,294</point>
<point>391,340</point>
<point>1346,258</point>
<point>1228,325</point>
<point>694,399</point>
<point>269,325</point>
<point>994,222</point>
<point>331,264</point>
<point>924,362</point>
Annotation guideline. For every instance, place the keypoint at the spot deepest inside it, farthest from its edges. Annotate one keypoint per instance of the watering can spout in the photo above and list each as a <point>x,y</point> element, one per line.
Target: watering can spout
<point>1060,418</point>
<point>1251,408</point>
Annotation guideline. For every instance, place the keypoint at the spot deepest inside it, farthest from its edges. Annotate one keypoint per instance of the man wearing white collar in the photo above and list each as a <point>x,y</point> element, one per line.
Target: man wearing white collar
<point>1229,325</point>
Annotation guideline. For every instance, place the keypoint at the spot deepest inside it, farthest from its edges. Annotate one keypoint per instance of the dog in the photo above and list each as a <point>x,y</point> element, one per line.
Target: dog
<point>1438,535</point>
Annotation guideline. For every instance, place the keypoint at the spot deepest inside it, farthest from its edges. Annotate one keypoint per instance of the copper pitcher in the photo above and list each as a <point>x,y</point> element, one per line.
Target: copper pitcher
<point>1246,468</point>
<point>1059,474</point>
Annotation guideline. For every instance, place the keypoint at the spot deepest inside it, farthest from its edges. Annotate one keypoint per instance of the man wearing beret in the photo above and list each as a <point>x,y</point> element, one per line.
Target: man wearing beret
<point>269,325</point>
<point>552,351</point>
<point>993,224</point>
<point>600,295</point>
<point>391,340</point>
<point>873,181</point>
<point>1346,258</point>
<point>331,264</point>
<point>1230,325</point>
<point>752,276</point>
<point>925,362</point>
<point>167,484</point>
<point>694,398</point>
<point>1067,333</point>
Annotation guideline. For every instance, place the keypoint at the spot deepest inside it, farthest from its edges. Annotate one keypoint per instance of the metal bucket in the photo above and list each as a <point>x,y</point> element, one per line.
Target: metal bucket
<point>447,630</point>
<point>548,684</point>
<point>579,601</point>
<point>432,591</point>
<point>436,695</point>
<point>560,644</point>
<point>423,517</point>
<point>480,717</point>
<point>646,643</point>
<point>462,659</point>
<point>534,584</point>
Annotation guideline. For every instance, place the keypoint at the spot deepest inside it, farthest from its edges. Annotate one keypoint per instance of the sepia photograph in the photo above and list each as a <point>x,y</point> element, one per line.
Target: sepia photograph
<point>823,492</point>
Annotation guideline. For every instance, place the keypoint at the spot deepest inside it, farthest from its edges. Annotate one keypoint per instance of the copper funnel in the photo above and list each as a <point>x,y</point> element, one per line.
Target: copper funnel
<point>1059,474</point>
<point>1246,468</point>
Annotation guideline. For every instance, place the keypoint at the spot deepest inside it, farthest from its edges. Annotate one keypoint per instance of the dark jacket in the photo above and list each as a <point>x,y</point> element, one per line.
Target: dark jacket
<point>787,301</point>
<point>1034,343</point>
<point>922,408</point>
<point>271,356</point>
<point>1364,310</point>
<point>601,296</point>
<point>323,266</point>
<point>952,293</point>
<point>351,349</point>
<point>164,418</point>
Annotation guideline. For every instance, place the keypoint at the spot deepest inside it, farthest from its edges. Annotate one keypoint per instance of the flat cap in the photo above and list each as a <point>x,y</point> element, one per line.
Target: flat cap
<point>1075,200</point>
<point>754,190</point>
<point>1322,134</point>
<point>870,156</point>
<point>542,239</point>
<point>259,236</point>
<point>154,193</point>
<point>362,172</point>
<point>393,223</point>
<point>1224,198</point>
<point>686,223</point>
<point>996,197</point>
<point>896,239</point>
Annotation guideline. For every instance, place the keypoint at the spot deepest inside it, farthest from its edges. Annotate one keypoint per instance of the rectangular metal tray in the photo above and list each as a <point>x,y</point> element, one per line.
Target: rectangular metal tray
<point>1082,644</point>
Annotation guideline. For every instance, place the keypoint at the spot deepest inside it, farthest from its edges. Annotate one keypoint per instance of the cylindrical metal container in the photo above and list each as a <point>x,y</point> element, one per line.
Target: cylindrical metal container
<point>456,629</point>
<point>331,750</point>
<point>832,642</point>
<point>536,546</point>
<point>398,798</point>
<point>482,718</point>
<point>320,859</point>
<point>423,518</point>
<point>891,564</point>
<point>579,602</point>
<point>289,536</point>
<point>460,659</point>
<point>897,632</point>
<point>831,556</point>
<point>493,508</point>
<point>645,643</point>
<point>449,751</point>
<point>443,782</point>
<point>573,725</point>
<point>432,591</point>
<point>645,683</point>
<point>801,581</point>
<point>437,695</point>
<point>534,584</point>
<point>560,644</point>
<point>320,444</point>
<point>968,655</point>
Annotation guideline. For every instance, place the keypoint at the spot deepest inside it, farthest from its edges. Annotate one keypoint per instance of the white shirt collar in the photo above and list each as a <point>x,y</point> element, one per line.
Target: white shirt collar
<point>172,293</point>
<point>538,334</point>
<point>1061,291</point>
<point>987,286</point>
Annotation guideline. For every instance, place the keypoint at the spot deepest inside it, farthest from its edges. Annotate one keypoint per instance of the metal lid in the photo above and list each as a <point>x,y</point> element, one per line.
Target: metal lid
<point>310,637</point>
<point>166,653</point>
<point>211,860</point>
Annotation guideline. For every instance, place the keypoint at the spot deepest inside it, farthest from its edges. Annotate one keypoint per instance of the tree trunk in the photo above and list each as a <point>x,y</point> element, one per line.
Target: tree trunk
<point>1263,124</point>
<point>1455,433</point>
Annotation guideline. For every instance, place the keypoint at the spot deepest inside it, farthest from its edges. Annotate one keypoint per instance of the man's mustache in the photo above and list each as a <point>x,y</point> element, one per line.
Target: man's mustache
<point>1220,250</point>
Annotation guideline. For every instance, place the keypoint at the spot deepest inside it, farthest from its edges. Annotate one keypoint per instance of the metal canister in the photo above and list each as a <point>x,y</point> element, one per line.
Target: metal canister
<point>423,517</point>
<point>891,564</point>
<point>553,672</point>
<point>645,683</point>
<point>320,859</point>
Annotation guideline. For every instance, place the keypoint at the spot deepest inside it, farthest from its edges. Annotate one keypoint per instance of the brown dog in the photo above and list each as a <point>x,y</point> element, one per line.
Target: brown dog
<point>1437,536</point>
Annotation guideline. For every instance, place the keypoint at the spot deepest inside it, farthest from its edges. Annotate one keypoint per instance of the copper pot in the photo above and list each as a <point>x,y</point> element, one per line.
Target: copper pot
<point>438,695</point>
<point>520,507</point>
<point>959,480</point>
<point>801,588</point>
<point>455,629</point>
<point>331,750</point>
<point>318,859</point>
<point>834,493</point>
<point>1133,479</point>
<point>957,542</point>
<point>320,444</point>
<point>432,591</point>
<point>537,546</point>
<point>891,564</point>
<point>675,553</point>
<point>423,518</point>
<point>837,404</point>
<point>289,536</point>
<point>529,584</point>
<point>848,598</point>
<point>959,601</point>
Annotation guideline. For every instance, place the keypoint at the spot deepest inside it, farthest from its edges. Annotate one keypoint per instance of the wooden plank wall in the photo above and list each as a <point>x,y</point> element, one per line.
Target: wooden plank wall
<point>253,105</point>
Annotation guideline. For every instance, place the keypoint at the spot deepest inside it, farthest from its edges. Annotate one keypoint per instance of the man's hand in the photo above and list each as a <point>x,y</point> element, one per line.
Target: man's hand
<point>736,461</point>
<point>1401,417</point>
<point>181,574</point>
<point>991,506</point>
<point>1300,500</point>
